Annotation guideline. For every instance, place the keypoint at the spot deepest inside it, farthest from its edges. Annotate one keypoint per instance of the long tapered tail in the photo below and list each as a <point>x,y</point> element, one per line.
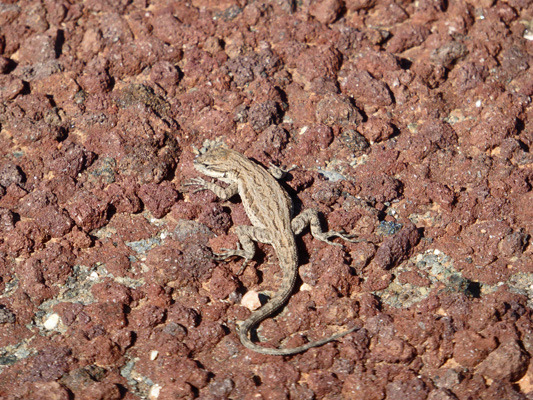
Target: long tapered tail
<point>281,297</point>
<point>247,342</point>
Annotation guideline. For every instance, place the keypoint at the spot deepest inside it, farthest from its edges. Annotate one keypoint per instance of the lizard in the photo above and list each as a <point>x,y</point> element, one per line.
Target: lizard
<point>269,208</point>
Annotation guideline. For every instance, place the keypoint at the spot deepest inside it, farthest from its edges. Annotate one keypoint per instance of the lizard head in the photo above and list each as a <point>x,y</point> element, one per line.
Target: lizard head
<point>216,162</point>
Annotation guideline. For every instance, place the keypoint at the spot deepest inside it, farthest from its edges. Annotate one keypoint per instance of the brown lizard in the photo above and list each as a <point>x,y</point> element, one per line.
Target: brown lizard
<point>269,208</point>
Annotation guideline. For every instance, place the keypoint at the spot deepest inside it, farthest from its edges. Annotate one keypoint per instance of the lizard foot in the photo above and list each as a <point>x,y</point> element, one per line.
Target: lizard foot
<point>324,236</point>
<point>201,183</point>
<point>228,253</point>
<point>279,172</point>
<point>238,252</point>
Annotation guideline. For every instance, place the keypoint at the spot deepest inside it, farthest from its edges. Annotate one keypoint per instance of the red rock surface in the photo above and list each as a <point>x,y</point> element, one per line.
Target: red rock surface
<point>410,125</point>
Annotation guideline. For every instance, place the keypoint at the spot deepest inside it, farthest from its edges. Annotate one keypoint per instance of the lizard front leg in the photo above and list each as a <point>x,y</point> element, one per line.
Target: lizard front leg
<point>222,193</point>
<point>310,218</point>
<point>246,247</point>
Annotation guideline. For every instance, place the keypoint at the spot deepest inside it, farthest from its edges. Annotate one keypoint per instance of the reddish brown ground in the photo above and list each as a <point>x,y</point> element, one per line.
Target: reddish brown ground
<point>410,124</point>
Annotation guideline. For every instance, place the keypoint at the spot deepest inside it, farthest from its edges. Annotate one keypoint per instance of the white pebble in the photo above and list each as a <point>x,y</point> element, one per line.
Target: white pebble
<point>251,300</point>
<point>153,355</point>
<point>51,322</point>
<point>154,392</point>
<point>306,287</point>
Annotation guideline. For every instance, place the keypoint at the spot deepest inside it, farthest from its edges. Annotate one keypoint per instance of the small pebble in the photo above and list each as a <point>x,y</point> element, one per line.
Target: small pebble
<point>251,300</point>
<point>154,392</point>
<point>51,322</point>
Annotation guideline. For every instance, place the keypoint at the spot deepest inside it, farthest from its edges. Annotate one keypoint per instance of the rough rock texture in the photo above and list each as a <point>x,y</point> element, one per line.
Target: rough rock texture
<point>410,125</point>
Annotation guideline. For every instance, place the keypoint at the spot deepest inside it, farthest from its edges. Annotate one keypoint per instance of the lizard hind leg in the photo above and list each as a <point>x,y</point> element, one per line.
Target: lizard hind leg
<point>278,172</point>
<point>246,247</point>
<point>310,218</point>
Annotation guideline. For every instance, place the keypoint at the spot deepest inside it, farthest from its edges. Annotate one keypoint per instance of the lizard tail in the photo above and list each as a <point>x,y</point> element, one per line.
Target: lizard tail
<point>289,265</point>
<point>247,325</point>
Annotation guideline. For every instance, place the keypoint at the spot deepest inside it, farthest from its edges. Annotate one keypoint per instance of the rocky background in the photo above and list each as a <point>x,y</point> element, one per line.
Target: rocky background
<point>410,126</point>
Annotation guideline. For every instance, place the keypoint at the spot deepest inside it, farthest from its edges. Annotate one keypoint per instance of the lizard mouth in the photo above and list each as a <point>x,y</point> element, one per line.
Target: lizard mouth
<point>199,163</point>
<point>205,167</point>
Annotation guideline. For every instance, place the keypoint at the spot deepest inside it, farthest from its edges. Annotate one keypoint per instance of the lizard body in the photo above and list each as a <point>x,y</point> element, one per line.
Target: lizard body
<point>269,209</point>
